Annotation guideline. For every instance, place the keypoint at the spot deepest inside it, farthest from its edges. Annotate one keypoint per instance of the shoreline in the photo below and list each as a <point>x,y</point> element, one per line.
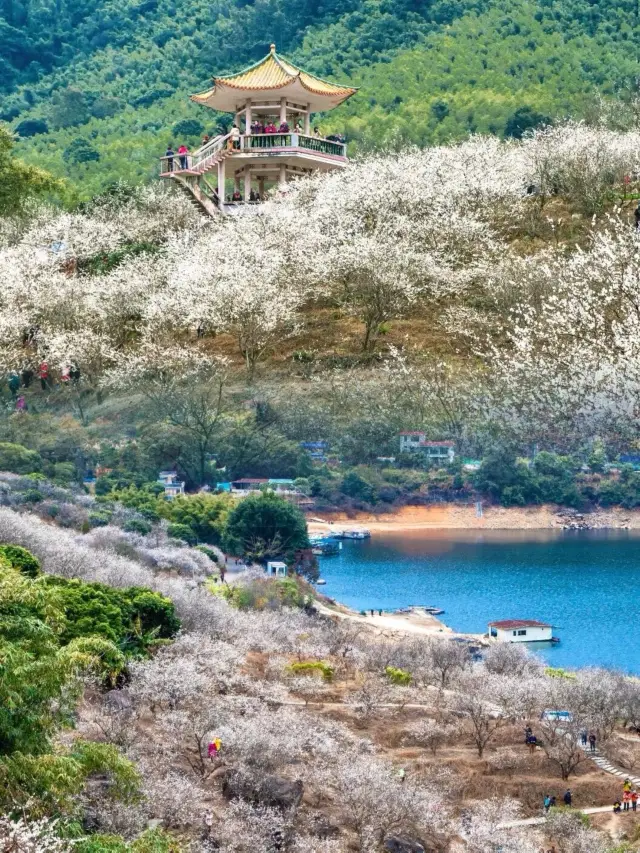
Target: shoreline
<point>415,621</point>
<point>458,517</point>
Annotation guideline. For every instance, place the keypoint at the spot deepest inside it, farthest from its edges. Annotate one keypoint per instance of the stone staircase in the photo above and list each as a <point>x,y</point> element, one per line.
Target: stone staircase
<point>604,764</point>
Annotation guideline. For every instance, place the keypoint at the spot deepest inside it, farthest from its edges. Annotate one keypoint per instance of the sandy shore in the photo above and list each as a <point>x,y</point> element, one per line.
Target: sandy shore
<point>457,517</point>
<point>415,622</point>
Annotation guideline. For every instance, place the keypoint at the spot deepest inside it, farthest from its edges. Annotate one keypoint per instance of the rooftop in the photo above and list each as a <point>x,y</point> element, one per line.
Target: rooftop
<point>273,76</point>
<point>511,624</point>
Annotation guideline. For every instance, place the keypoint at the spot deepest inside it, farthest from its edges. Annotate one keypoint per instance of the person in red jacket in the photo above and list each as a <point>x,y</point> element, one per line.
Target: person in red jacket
<point>183,154</point>
<point>43,375</point>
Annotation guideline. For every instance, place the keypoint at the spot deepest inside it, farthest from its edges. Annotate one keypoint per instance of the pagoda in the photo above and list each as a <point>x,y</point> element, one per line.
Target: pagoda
<point>272,140</point>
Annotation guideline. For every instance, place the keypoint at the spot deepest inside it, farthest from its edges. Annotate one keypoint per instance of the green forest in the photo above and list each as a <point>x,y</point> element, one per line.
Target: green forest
<point>95,91</point>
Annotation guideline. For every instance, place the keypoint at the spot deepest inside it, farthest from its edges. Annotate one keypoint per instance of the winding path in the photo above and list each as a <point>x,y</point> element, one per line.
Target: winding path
<point>600,761</point>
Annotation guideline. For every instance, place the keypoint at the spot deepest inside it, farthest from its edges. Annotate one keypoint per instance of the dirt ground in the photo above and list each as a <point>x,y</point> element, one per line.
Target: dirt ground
<point>456,517</point>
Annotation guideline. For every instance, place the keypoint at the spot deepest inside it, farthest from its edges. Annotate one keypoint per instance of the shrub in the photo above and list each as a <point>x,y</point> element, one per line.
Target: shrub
<point>558,672</point>
<point>313,666</point>
<point>32,496</point>
<point>99,519</point>
<point>183,532</point>
<point>398,676</point>
<point>18,459</point>
<point>133,618</point>
<point>21,559</point>
<point>211,554</point>
<point>137,525</point>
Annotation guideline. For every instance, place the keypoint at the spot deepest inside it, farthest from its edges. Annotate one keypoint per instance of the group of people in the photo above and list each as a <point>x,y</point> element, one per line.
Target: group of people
<point>183,156</point>
<point>16,381</point>
<point>629,800</point>
<point>588,738</point>
<point>550,801</point>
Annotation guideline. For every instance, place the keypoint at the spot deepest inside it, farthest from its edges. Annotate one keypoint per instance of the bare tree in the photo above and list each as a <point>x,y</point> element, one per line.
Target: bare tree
<point>560,742</point>
<point>446,658</point>
<point>485,718</point>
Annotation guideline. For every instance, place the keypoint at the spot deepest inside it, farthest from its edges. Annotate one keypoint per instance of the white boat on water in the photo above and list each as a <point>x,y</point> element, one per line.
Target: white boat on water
<point>355,534</point>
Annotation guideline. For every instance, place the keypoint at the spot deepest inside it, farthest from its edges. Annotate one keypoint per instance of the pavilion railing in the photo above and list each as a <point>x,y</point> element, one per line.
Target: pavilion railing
<point>207,155</point>
<point>261,141</point>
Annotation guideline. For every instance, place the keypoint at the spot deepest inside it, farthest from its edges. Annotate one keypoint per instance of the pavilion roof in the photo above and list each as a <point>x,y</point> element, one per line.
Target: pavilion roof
<point>273,77</point>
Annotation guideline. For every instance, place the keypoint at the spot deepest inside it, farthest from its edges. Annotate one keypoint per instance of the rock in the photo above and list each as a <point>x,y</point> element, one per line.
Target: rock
<point>273,791</point>
<point>401,844</point>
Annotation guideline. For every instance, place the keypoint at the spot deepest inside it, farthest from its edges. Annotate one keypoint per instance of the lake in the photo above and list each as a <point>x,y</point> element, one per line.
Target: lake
<point>585,583</point>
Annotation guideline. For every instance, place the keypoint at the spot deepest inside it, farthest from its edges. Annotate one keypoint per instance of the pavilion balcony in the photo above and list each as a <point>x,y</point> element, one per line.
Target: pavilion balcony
<point>206,157</point>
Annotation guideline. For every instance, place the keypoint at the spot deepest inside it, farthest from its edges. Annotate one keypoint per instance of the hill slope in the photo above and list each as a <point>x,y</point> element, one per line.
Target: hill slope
<point>111,80</point>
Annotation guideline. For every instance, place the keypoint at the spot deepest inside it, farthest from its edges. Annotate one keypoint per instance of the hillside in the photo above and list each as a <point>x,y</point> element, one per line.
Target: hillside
<point>107,83</point>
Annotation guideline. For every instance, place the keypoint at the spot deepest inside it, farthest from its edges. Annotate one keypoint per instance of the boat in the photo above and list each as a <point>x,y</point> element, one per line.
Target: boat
<point>324,546</point>
<point>434,611</point>
<point>320,582</point>
<point>355,534</point>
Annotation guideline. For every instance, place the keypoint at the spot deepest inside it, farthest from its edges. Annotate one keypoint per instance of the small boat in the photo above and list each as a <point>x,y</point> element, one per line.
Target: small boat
<point>320,582</point>
<point>324,546</point>
<point>434,611</point>
<point>356,534</point>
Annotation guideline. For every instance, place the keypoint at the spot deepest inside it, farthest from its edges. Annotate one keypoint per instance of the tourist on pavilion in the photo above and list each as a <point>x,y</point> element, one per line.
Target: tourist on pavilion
<point>284,127</point>
<point>170,155</point>
<point>236,196</point>
<point>298,128</point>
<point>234,138</point>
<point>271,128</point>
<point>183,153</point>
<point>253,196</point>
<point>205,139</point>
<point>316,132</point>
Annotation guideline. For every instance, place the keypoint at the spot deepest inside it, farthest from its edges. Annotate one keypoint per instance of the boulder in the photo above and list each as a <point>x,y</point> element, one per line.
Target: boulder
<point>402,844</point>
<point>273,791</point>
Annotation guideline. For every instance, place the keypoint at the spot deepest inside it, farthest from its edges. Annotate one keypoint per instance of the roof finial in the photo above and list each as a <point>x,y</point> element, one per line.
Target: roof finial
<point>272,48</point>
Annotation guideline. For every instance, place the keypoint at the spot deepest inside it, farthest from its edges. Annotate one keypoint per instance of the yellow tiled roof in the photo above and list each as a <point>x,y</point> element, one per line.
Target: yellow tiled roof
<point>275,72</point>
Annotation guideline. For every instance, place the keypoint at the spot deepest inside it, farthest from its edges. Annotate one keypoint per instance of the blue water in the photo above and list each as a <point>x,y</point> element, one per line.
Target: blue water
<point>585,583</point>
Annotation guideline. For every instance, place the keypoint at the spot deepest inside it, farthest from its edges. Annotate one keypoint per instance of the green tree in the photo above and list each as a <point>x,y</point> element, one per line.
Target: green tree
<point>80,151</point>
<point>18,181</point>
<point>21,559</point>
<point>69,108</point>
<point>264,526</point>
<point>522,120</point>
<point>18,459</point>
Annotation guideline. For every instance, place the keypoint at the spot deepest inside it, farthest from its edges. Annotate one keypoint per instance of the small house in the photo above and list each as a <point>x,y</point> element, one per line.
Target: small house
<point>248,484</point>
<point>276,569</point>
<point>172,486</point>
<point>417,442</point>
<point>520,631</point>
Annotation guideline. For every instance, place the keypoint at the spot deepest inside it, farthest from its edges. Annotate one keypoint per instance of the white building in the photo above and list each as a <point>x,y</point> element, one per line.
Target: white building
<point>520,631</point>
<point>417,442</point>
<point>276,569</point>
<point>172,486</point>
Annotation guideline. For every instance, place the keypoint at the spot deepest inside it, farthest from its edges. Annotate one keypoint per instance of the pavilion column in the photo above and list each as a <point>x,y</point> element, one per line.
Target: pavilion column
<point>222,195</point>
<point>307,121</point>
<point>248,118</point>
<point>261,187</point>
<point>247,183</point>
<point>236,182</point>
<point>283,110</point>
<point>283,176</point>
